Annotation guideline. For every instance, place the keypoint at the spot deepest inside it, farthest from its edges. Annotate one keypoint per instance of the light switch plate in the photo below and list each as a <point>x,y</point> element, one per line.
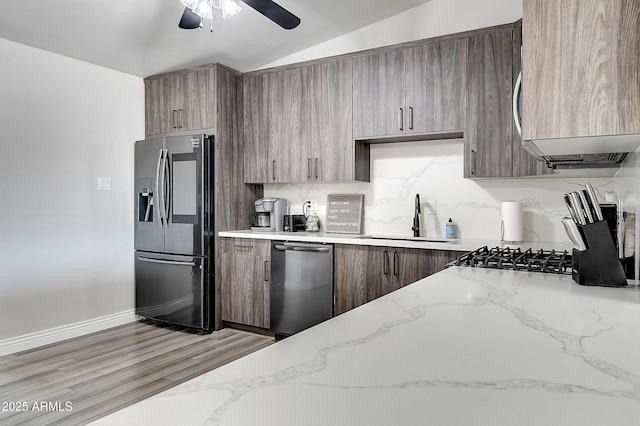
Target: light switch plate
<point>104,183</point>
<point>313,204</point>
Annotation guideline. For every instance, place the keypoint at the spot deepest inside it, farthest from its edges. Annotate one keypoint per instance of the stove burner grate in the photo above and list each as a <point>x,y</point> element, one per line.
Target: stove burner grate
<point>546,261</point>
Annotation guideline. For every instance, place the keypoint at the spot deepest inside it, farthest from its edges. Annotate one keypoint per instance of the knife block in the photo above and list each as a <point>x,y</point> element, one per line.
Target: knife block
<point>599,264</point>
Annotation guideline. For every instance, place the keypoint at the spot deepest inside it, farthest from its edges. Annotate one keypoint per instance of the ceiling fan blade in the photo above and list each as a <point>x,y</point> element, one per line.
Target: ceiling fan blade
<point>189,20</point>
<point>275,12</point>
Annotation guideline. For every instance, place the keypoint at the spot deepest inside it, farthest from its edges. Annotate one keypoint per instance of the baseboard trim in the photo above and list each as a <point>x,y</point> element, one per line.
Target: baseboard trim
<point>53,335</point>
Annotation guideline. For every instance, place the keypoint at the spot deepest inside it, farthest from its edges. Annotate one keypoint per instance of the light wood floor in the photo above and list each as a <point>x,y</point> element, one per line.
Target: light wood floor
<point>103,372</point>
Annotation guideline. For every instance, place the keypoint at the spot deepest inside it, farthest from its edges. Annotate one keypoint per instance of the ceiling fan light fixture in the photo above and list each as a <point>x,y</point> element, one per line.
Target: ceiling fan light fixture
<point>229,8</point>
<point>191,4</point>
<point>204,8</point>
<point>195,10</point>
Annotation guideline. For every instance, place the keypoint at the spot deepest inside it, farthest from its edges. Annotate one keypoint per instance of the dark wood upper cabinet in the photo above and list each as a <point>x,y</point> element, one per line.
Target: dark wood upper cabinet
<point>413,90</point>
<point>524,164</point>
<point>272,114</point>
<point>284,113</point>
<point>436,87</point>
<point>378,94</point>
<point>256,130</point>
<point>327,122</point>
<point>156,116</point>
<point>580,68</point>
<point>199,99</point>
<point>180,102</point>
<point>177,101</point>
<point>298,124</point>
<point>493,147</point>
<point>489,137</point>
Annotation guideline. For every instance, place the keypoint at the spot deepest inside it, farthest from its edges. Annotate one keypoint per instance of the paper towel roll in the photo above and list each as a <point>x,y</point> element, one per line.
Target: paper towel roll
<point>511,224</point>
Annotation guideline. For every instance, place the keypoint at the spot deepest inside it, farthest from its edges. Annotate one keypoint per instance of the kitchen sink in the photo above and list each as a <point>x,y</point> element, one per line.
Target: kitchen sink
<point>409,238</point>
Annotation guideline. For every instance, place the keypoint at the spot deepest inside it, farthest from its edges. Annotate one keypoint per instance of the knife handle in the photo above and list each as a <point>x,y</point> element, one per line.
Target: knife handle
<point>567,201</point>
<point>577,208</point>
<point>585,205</point>
<point>574,234</point>
<point>597,211</point>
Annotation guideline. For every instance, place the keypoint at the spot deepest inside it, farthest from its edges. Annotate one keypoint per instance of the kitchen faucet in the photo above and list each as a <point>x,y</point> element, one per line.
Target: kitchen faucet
<point>416,218</point>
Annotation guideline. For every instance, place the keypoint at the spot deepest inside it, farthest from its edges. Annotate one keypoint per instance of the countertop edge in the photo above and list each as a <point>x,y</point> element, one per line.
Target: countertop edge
<point>462,245</point>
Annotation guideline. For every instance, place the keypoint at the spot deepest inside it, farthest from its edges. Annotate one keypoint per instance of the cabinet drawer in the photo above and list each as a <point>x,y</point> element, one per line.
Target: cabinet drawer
<point>247,247</point>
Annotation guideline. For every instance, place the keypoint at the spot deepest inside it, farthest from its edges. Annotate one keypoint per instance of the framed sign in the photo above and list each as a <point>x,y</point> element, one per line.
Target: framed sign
<point>344,213</point>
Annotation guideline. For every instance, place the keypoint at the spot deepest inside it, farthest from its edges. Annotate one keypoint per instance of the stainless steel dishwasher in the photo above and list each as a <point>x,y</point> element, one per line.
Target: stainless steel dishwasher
<point>301,286</point>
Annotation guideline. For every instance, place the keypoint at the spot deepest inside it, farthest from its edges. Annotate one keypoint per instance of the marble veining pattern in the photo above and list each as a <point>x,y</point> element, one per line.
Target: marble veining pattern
<point>464,346</point>
<point>434,169</point>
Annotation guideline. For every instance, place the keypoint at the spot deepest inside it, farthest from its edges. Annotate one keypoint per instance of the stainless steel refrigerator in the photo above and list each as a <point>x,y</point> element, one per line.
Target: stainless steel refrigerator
<point>174,230</point>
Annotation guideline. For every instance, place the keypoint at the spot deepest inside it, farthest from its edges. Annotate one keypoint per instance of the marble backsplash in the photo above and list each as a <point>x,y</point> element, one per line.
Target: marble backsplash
<point>434,170</point>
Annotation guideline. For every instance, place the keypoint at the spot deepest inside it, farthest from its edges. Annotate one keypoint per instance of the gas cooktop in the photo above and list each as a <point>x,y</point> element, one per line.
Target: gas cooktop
<point>547,261</point>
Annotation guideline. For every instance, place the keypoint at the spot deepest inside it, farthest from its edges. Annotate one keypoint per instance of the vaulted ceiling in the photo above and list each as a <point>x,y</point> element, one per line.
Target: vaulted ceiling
<point>141,37</point>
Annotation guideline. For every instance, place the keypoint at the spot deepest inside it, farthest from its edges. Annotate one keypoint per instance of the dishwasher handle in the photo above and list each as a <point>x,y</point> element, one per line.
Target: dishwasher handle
<point>312,249</point>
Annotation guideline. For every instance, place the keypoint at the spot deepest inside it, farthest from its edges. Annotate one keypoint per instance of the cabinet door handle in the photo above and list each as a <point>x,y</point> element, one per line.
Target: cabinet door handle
<point>316,161</point>
<point>473,163</point>
<point>308,168</point>
<point>266,270</point>
<point>410,118</point>
<point>385,263</point>
<point>396,263</point>
<point>240,249</point>
<point>174,119</point>
<point>401,119</point>
<point>273,169</point>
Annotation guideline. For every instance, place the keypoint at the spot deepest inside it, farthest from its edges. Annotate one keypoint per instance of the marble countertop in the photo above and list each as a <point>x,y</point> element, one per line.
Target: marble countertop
<point>463,245</point>
<point>465,346</point>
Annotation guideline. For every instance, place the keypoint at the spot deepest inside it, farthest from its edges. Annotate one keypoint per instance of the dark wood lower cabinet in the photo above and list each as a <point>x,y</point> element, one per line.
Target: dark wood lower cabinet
<point>388,269</point>
<point>361,274</point>
<point>350,277</point>
<point>432,261</point>
<point>246,265</point>
<point>364,273</point>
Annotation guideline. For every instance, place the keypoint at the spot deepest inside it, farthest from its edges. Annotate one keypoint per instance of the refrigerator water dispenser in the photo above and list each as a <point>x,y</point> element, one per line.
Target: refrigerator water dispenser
<point>145,206</point>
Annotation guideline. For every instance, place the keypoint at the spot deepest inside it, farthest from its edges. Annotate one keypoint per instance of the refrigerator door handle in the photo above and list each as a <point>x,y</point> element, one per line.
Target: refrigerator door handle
<point>167,188</point>
<point>166,262</point>
<point>158,192</point>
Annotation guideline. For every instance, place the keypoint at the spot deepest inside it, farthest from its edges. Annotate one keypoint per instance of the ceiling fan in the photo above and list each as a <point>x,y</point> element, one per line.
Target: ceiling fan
<point>197,10</point>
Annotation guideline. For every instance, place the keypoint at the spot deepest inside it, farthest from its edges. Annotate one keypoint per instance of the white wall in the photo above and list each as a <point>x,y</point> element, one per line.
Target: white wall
<point>435,18</point>
<point>65,247</point>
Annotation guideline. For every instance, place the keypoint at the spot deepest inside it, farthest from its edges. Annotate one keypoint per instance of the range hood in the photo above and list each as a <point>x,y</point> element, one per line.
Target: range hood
<point>583,152</point>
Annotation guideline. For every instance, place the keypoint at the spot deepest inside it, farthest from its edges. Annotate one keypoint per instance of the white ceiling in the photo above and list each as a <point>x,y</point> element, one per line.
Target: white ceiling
<point>141,37</point>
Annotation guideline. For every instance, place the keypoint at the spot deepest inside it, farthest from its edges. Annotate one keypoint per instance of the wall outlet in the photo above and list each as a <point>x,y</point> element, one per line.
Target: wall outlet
<point>313,204</point>
<point>430,207</point>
